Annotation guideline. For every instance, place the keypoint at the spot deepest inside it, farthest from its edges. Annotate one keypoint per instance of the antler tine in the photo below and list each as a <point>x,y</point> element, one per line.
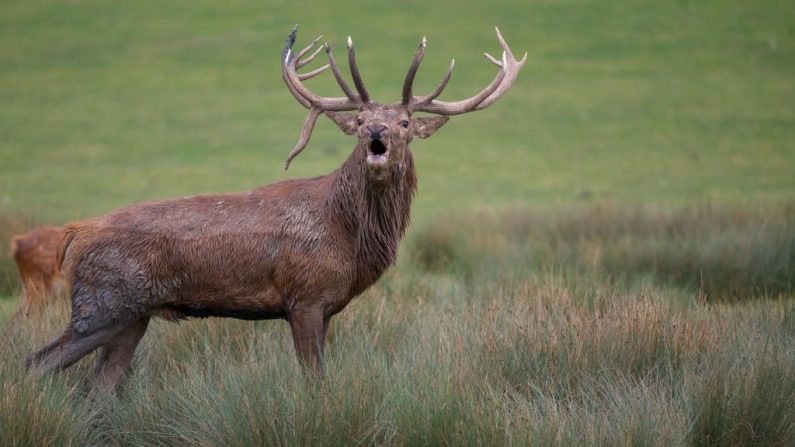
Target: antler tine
<point>308,47</point>
<point>408,83</point>
<point>504,44</point>
<point>493,60</point>
<point>312,73</point>
<point>303,139</point>
<point>421,101</point>
<point>338,76</point>
<point>357,78</point>
<point>288,45</point>
<point>509,70</point>
<point>302,62</point>
<point>511,67</point>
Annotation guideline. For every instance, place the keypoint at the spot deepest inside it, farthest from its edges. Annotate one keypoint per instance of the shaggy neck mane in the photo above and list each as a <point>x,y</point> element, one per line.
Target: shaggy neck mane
<point>374,214</point>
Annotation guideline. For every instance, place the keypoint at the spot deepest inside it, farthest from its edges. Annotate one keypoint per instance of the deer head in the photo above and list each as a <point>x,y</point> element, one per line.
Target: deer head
<point>384,130</point>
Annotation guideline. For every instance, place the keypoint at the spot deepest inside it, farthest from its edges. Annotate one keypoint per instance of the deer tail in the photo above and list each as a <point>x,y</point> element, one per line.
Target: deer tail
<point>15,247</point>
<point>66,239</point>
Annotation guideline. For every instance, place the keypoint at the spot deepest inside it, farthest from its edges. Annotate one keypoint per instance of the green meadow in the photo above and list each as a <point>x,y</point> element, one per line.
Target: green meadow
<point>604,257</point>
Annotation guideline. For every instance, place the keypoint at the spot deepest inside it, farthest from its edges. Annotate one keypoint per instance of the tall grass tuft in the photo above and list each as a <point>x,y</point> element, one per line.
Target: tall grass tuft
<point>747,400</point>
<point>50,410</point>
<point>726,254</point>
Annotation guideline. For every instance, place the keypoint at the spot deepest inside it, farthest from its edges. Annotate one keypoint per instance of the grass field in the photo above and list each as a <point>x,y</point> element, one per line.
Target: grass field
<point>107,103</point>
<point>605,257</point>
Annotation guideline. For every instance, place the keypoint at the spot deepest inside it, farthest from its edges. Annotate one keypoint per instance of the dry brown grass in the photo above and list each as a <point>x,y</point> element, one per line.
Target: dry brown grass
<point>568,356</point>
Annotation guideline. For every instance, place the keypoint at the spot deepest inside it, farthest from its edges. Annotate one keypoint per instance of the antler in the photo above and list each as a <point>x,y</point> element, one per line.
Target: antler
<point>315,103</point>
<point>509,69</point>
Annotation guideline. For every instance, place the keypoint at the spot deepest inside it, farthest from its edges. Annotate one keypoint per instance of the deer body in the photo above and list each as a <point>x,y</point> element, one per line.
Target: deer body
<point>259,254</point>
<point>297,249</point>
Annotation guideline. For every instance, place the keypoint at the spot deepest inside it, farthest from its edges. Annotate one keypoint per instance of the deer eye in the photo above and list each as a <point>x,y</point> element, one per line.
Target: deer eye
<point>405,123</point>
<point>359,121</point>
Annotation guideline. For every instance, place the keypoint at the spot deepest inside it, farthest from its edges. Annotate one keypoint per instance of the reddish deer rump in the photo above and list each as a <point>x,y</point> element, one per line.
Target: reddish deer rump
<point>298,249</point>
<point>35,254</point>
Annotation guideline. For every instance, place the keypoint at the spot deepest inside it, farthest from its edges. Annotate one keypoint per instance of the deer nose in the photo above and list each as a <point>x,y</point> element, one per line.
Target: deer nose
<point>376,131</point>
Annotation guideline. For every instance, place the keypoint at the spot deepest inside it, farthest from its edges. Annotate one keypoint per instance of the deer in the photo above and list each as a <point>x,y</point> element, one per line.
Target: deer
<point>35,254</point>
<point>298,249</point>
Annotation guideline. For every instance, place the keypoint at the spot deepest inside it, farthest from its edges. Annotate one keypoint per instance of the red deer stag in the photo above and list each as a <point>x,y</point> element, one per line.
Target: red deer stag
<point>296,249</point>
<point>35,254</point>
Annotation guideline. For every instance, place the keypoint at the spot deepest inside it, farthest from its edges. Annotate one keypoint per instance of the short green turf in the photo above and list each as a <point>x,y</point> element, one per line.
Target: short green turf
<point>108,103</point>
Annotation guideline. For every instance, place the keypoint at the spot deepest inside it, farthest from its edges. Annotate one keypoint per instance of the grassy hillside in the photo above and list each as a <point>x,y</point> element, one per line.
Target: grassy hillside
<point>604,257</point>
<point>106,103</point>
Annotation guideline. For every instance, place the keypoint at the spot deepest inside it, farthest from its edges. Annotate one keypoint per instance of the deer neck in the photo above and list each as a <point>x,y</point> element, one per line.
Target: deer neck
<point>373,214</point>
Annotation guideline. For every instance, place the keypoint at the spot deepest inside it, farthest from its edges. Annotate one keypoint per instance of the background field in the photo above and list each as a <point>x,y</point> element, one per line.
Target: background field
<point>606,256</point>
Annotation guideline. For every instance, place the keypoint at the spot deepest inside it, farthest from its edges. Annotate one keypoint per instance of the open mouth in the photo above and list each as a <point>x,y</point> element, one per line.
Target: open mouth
<point>377,152</point>
<point>377,147</point>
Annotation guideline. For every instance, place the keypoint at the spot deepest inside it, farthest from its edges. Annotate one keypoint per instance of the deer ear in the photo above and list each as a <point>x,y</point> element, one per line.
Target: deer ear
<point>345,121</point>
<point>425,127</point>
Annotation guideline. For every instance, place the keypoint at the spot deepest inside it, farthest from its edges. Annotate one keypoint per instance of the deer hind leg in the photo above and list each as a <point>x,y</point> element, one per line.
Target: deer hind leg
<point>35,358</point>
<point>90,328</point>
<point>114,358</point>
<point>68,348</point>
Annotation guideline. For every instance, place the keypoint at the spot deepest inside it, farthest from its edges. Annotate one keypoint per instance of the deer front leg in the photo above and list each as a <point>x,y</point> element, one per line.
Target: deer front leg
<point>309,330</point>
